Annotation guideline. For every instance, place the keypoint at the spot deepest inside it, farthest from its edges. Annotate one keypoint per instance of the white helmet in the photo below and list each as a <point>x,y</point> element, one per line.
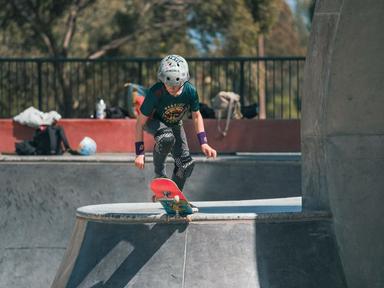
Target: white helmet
<point>173,70</point>
<point>87,146</point>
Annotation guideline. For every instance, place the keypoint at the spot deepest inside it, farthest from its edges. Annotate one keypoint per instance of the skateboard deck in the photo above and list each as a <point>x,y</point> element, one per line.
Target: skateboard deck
<point>170,196</point>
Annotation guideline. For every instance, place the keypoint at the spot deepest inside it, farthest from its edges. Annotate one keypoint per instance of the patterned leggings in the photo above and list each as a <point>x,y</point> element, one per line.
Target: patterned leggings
<point>170,140</point>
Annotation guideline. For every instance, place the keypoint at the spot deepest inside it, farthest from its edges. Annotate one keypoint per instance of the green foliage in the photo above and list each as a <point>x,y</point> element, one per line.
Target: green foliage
<point>99,28</point>
<point>263,12</point>
<point>285,37</point>
<point>137,27</point>
<point>43,24</point>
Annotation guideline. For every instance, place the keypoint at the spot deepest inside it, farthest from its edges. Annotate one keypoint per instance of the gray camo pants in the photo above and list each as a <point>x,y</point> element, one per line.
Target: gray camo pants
<point>170,140</point>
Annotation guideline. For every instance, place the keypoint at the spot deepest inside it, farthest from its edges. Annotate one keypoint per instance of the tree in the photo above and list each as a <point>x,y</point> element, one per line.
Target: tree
<point>284,37</point>
<point>97,28</point>
<point>142,22</point>
<point>51,25</point>
<point>41,21</point>
<point>264,13</point>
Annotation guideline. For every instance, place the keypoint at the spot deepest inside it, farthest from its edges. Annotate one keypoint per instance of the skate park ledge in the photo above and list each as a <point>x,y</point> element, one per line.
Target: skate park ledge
<point>262,210</point>
<point>130,157</point>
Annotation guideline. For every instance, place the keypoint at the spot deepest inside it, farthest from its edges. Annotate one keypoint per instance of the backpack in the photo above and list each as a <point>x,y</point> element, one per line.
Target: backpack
<point>47,140</point>
<point>25,148</point>
<point>206,111</point>
<point>250,111</point>
<point>226,104</point>
<point>116,112</point>
<point>50,141</point>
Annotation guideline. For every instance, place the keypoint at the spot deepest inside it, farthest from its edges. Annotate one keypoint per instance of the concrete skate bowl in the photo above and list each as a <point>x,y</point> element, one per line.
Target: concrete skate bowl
<point>342,147</point>
<point>227,244</point>
<point>40,196</point>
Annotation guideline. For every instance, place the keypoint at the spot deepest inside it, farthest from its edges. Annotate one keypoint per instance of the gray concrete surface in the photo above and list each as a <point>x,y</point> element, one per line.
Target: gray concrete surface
<point>262,175</point>
<point>256,176</point>
<point>343,161</point>
<point>39,197</point>
<point>343,132</point>
<point>236,244</point>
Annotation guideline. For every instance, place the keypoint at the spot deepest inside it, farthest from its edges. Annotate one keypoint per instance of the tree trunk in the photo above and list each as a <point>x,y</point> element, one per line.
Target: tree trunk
<point>261,78</point>
<point>66,102</point>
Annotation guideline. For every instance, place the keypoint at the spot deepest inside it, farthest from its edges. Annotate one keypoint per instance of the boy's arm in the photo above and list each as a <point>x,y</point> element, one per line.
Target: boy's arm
<point>201,135</point>
<point>140,122</point>
<point>139,144</point>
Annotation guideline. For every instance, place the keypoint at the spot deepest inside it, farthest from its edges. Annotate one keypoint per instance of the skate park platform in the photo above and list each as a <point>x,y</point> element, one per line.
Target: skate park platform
<point>336,241</point>
<point>40,195</point>
<point>255,243</point>
<point>342,136</point>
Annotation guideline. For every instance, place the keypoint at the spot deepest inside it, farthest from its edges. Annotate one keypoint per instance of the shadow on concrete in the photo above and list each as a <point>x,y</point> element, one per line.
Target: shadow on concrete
<point>141,244</point>
<point>243,180</point>
<point>298,254</point>
<point>250,209</point>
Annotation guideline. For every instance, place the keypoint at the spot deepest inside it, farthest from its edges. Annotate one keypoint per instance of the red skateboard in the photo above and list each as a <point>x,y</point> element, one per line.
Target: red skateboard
<point>170,196</point>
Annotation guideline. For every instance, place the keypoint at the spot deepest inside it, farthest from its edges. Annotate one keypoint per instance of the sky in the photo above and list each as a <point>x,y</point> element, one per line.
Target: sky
<point>291,4</point>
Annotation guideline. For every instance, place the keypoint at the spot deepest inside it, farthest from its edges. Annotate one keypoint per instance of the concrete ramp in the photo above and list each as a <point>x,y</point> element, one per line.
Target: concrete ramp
<point>343,132</point>
<point>40,195</point>
<point>227,244</point>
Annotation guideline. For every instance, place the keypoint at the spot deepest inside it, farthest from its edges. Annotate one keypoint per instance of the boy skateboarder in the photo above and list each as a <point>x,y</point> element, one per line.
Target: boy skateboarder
<point>161,115</point>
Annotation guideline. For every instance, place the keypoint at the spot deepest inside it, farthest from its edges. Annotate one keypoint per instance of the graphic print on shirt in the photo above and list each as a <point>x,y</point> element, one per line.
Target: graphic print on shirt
<point>174,113</point>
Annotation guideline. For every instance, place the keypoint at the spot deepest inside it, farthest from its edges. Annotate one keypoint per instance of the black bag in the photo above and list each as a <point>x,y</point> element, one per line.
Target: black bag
<point>25,148</point>
<point>50,141</point>
<point>116,112</point>
<point>250,111</point>
<point>206,111</point>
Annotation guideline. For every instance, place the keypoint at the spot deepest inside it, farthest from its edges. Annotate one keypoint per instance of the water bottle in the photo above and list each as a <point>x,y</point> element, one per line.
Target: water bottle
<point>100,109</point>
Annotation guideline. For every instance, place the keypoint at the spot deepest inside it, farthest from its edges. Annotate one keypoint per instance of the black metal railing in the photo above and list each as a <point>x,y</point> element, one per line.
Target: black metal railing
<point>71,86</point>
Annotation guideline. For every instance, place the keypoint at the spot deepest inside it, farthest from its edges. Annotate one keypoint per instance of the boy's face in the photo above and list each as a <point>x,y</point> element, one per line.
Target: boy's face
<point>173,90</point>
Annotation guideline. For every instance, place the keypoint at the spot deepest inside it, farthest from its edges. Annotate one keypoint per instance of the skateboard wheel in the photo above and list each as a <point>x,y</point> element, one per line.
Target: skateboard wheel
<point>177,198</point>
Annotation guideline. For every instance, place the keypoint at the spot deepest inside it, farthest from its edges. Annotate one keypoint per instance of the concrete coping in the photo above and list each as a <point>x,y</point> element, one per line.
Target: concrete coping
<point>270,210</point>
<point>130,157</point>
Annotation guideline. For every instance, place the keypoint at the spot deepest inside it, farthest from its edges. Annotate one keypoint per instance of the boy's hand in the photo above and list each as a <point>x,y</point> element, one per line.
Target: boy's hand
<point>139,161</point>
<point>208,151</point>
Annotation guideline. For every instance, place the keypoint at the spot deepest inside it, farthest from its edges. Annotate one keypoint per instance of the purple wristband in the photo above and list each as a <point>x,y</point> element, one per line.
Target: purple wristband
<point>139,148</point>
<point>202,136</point>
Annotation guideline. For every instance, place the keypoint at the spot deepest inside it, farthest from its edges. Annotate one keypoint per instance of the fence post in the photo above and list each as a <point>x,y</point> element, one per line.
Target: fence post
<point>140,72</point>
<point>241,82</point>
<point>39,86</point>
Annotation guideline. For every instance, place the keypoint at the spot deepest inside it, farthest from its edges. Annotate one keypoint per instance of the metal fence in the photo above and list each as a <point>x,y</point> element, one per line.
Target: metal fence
<point>71,86</point>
